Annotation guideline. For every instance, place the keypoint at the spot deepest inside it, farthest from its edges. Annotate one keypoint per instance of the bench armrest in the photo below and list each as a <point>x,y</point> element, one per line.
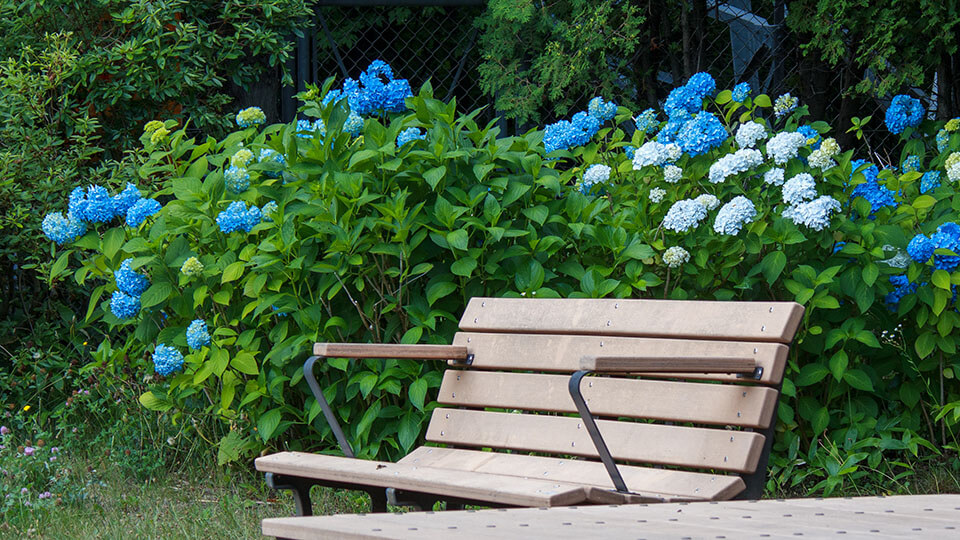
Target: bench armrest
<point>390,350</point>
<point>648,364</point>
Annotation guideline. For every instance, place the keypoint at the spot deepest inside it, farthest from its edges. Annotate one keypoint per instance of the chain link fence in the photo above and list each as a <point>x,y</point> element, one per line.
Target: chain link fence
<point>733,40</point>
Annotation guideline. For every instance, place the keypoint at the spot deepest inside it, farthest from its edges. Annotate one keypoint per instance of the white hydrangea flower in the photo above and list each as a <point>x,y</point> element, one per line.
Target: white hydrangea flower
<point>774,177</point>
<point>735,163</point>
<point>708,201</point>
<point>673,152</point>
<point>798,189</point>
<point>814,214</point>
<point>684,215</point>
<point>748,134</point>
<point>830,147</point>
<point>657,194</point>
<point>783,146</point>
<point>819,159</point>
<point>656,154</point>
<point>733,215</point>
<point>675,256</point>
<point>672,174</point>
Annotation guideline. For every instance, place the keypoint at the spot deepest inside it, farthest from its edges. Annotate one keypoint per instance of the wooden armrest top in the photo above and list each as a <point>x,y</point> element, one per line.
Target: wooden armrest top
<point>673,364</point>
<point>389,350</point>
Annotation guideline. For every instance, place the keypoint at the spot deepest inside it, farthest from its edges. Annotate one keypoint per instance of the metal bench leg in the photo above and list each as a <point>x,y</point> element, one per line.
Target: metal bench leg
<point>299,487</point>
<point>378,500</point>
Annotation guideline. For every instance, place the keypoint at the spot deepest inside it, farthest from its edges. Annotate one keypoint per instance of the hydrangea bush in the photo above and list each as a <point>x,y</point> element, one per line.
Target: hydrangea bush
<point>376,216</point>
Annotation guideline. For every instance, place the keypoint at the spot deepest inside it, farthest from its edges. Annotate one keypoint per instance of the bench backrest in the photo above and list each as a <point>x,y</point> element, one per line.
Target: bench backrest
<point>524,350</point>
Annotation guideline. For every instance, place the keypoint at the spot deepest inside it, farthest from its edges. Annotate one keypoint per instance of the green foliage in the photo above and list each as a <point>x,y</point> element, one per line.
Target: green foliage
<point>536,54</point>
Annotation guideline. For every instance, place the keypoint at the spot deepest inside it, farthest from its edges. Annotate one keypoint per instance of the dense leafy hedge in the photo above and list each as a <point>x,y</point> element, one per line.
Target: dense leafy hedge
<point>342,228</point>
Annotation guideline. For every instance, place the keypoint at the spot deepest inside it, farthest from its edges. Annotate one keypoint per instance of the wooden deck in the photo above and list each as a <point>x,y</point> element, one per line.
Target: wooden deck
<point>920,516</point>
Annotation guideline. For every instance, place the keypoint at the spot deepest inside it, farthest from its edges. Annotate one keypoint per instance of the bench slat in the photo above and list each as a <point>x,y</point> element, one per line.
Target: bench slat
<point>562,353</point>
<point>493,488</point>
<point>748,321</point>
<point>701,403</point>
<point>668,483</point>
<point>630,441</point>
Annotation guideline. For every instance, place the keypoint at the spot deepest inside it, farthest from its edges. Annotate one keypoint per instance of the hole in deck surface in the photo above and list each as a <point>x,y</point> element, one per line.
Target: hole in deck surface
<point>841,532</point>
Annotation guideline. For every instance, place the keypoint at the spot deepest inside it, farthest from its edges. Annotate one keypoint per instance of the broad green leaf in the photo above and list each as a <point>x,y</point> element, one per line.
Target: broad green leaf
<point>408,431</point>
<point>463,267</point>
<point>244,362</point>
<point>923,202</point>
<point>434,175</point>
<point>762,100</point>
<point>157,293</point>
<point>821,419</point>
<point>232,271</point>
<point>838,364</point>
<point>112,240</point>
<point>154,402</point>
<point>941,278</point>
<point>811,374</point>
<point>268,423</point>
<point>773,264</point>
<point>436,291</point>
<point>418,393</point>
<point>858,379</point>
<point>458,239</point>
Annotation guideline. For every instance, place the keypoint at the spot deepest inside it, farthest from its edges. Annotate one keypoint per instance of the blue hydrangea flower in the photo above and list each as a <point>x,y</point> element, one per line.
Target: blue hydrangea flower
<point>684,215</point>
<point>911,164</point>
<point>62,229</point>
<point>77,205</point>
<point>682,101</point>
<point>251,116</point>
<point>702,134</point>
<point>353,125</point>
<point>929,181</point>
<point>810,134</point>
<point>814,214</point>
<point>376,90</point>
<point>197,335</point>
<point>307,130</point>
<point>876,194</point>
<point>741,92</point>
<point>410,134</point>
<point>733,215</point>
<point>565,134</point>
<point>646,121</point>
<point>130,282</point>
<point>668,133</point>
<point>902,287</point>
<point>596,174</point>
<point>124,306</point>
<point>268,210</point>
<point>943,140</point>
<point>602,110</point>
<point>630,151</point>
<point>702,85</point>
<point>236,179</point>
<point>946,237</point>
<point>141,210</point>
<point>237,217</point>
<point>869,173</point>
<point>920,248</point>
<point>99,205</point>
<point>166,360</point>
<point>904,112</point>
<point>273,157</point>
<point>124,200</point>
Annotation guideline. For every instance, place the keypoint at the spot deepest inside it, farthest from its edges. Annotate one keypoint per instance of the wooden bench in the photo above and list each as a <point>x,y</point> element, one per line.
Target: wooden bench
<point>697,426</point>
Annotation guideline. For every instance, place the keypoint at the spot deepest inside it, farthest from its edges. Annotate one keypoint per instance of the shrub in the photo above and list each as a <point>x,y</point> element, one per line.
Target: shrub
<point>327,230</point>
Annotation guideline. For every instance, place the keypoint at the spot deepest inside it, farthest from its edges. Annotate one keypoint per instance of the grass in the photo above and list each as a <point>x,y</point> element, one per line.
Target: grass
<point>197,502</point>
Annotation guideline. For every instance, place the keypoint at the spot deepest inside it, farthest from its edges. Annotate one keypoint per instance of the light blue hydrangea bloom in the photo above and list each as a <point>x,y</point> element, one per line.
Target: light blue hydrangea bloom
<point>785,105</point>
<point>784,146</point>
<point>237,217</point>
<point>272,157</point>
<point>930,180</point>
<point>596,174</point>
<point>77,205</point>
<point>124,306</point>
<point>813,136</point>
<point>943,140</point>
<point>798,189</point>
<point>602,110</point>
<point>774,177</point>
<point>920,248</point>
<point>307,130</point>
<point>904,112</point>
<point>814,214</point>
<point>130,282</point>
<point>629,151</point>
<point>741,92</point>
<point>702,134</point>
<point>124,200</point>
<point>236,179</point>
<point>684,215</point>
<point>62,229</point>
<point>733,215</point>
<point>646,121</point>
<point>268,210</point>
<point>911,164</point>
<point>141,210</point>
<point>377,90</point>
<point>656,154</point>
<point>197,335</point>
<point>682,101</point>
<point>565,134</point>
<point>740,161</point>
<point>251,116</point>
<point>702,85</point>
<point>166,360</point>
<point>410,134</point>
<point>354,124</point>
